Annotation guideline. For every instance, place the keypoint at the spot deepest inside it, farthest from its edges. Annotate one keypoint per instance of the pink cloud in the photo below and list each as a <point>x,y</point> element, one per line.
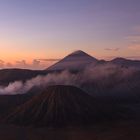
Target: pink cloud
<point>134,42</point>
<point>35,64</point>
<point>135,47</point>
<point>112,49</point>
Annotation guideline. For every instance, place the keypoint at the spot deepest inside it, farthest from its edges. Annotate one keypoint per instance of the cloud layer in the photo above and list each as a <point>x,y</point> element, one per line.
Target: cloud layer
<point>36,64</point>
<point>93,79</point>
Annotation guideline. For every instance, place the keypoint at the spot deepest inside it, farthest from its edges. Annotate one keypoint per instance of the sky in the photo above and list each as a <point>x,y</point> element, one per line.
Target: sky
<point>37,33</point>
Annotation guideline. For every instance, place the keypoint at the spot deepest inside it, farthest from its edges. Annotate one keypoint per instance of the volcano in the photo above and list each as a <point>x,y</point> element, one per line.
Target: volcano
<point>57,106</point>
<point>75,61</point>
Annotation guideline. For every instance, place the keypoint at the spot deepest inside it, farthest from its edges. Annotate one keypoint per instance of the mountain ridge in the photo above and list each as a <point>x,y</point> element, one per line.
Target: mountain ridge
<point>126,62</point>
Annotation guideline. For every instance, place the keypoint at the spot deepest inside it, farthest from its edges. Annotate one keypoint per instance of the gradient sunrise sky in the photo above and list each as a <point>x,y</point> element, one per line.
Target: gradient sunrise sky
<point>35,30</point>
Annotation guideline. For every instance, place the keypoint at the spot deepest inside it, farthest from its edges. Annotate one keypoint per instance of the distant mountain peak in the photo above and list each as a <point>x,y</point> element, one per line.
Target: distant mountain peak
<point>78,52</point>
<point>119,59</point>
<point>77,60</point>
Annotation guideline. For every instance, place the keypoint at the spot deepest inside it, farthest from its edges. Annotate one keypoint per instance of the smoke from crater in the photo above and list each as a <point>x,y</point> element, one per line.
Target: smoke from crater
<point>99,76</point>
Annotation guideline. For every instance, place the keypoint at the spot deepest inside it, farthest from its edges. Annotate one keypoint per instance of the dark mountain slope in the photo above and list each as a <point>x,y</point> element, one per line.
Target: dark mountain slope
<point>8,103</point>
<point>12,75</point>
<point>57,106</point>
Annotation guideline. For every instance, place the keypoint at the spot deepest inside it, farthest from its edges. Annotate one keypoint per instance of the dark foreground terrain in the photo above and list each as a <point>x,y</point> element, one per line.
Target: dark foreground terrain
<point>124,124</point>
<point>109,131</point>
<point>125,129</point>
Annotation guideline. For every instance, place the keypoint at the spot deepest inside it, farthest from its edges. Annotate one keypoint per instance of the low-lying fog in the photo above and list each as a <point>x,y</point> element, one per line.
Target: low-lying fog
<point>94,79</point>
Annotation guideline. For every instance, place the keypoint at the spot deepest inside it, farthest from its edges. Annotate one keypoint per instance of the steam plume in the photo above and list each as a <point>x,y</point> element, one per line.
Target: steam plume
<point>99,76</point>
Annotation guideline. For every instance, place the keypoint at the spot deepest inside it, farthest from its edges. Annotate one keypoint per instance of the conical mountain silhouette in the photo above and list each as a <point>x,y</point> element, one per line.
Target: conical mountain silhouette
<point>57,106</point>
<point>75,61</point>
